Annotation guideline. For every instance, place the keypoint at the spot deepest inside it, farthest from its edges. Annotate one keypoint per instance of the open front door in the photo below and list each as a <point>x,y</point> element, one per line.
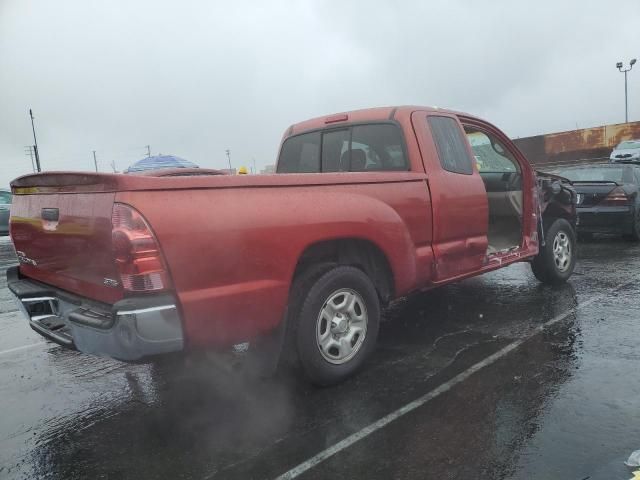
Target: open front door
<point>459,199</point>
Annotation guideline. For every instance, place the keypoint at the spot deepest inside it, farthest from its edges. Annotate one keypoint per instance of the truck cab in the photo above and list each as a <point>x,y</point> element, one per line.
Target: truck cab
<point>484,201</point>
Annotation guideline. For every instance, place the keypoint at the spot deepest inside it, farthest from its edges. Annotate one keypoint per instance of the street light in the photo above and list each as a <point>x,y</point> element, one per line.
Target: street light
<point>229,157</point>
<point>35,142</point>
<point>619,66</point>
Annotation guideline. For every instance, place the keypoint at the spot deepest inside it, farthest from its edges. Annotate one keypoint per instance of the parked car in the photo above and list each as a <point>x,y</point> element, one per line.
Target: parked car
<point>365,207</point>
<point>608,200</point>
<point>5,207</point>
<point>627,150</point>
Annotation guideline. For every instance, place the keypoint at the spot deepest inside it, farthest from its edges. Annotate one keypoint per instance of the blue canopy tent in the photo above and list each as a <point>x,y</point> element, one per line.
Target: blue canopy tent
<point>160,161</point>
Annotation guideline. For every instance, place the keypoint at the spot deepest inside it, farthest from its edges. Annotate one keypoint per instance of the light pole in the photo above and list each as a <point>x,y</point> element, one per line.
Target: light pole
<point>35,142</point>
<point>229,157</point>
<point>619,66</point>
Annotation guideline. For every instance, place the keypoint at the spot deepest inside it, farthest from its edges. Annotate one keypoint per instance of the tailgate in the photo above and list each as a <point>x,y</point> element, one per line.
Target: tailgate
<point>64,240</point>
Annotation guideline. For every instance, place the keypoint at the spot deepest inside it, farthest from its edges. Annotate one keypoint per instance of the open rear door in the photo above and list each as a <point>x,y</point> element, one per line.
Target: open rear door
<point>459,199</point>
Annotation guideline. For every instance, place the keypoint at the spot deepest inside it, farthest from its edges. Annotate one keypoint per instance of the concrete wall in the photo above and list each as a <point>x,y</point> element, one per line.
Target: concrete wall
<point>587,144</point>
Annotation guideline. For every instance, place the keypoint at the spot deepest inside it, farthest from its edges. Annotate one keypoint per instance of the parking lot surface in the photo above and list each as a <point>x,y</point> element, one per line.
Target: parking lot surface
<point>493,377</point>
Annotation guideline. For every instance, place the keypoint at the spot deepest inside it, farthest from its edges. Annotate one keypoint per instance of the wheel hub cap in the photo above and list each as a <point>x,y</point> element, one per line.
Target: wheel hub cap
<point>562,251</point>
<point>341,326</point>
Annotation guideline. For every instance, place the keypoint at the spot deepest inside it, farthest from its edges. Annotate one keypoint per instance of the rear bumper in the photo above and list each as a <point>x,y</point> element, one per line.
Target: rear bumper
<point>128,330</point>
<point>606,219</point>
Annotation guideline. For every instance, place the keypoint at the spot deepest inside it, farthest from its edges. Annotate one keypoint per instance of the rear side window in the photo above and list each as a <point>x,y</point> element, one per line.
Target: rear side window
<point>300,154</point>
<point>360,148</point>
<point>5,198</point>
<point>450,142</point>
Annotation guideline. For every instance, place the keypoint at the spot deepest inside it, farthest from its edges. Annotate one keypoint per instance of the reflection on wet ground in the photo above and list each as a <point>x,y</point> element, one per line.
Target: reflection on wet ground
<point>563,405</point>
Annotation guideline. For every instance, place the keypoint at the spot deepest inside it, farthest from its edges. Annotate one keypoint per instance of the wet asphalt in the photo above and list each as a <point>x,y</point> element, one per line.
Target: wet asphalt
<point>563,404</point>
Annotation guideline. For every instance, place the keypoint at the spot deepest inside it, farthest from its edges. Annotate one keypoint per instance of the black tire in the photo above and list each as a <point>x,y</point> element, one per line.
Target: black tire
<point>544,265</point>
<point>306,323</point>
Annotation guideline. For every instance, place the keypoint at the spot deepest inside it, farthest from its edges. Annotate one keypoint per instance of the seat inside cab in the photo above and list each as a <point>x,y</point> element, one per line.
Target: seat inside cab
<point>502,177</point>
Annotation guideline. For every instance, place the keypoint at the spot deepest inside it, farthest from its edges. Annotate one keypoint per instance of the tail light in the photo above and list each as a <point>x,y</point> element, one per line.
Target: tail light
<point>136,252</point>
<point>616,198</point>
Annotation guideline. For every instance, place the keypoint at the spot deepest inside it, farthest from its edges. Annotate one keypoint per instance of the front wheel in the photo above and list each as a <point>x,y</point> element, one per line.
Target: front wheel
<point>337,325</point>
<point>555,261</point>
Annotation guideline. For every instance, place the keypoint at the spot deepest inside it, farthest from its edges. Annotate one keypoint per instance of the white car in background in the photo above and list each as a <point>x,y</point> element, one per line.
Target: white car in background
<point>626,151</point>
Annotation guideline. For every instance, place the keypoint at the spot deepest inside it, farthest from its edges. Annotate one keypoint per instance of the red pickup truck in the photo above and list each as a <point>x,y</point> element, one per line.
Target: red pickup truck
<point>365,207</point>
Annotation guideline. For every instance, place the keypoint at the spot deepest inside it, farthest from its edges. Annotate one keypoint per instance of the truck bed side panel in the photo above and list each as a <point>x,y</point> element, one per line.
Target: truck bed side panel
<point>232,253</point>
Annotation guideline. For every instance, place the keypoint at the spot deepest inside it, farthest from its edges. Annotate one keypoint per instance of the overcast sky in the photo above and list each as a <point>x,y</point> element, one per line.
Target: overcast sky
<point>195,78</point>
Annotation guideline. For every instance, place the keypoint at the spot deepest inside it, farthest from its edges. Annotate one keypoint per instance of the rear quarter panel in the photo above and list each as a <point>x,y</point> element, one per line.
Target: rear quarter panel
<point>232,253</point>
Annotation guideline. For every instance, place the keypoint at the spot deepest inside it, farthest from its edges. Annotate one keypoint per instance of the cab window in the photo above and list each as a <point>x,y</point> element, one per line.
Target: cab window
<point>450,143</point>
<point>358,148</point>
<point>377,147</point>
<point>300,154</point>
<point>490,154</point>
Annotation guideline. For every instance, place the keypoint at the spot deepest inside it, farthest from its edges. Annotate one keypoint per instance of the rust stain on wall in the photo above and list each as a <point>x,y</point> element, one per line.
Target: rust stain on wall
<point>584,144</point>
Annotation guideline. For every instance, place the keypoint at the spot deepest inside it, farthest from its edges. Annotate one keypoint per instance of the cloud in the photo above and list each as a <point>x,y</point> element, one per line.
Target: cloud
<point>196,78</point>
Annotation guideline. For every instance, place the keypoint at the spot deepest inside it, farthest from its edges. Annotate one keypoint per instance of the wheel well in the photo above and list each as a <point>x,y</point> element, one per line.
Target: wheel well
<point>359,253</point>
<point>553,212</point>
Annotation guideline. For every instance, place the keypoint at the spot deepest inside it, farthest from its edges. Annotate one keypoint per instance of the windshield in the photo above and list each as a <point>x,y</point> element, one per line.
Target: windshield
<point>629,145</point>
<point>610,174</point>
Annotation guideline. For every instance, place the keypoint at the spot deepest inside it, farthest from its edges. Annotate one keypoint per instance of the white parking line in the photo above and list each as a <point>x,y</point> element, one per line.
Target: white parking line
<point>23,347</point>
<point>445,387</point>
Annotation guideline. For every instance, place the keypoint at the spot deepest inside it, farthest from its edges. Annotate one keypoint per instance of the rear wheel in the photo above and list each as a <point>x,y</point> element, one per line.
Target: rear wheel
<point>336,325</point>
<point>555,262</point>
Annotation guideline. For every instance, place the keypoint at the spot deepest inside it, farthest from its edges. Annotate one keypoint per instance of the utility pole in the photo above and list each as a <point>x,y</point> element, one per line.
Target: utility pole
<point>625,70</point>
<point>35,142</point>
<point>148,150</point>
<point>95,162</point>
<point>229,158</point>
<point>254,166</point>
<point>28,150</point>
